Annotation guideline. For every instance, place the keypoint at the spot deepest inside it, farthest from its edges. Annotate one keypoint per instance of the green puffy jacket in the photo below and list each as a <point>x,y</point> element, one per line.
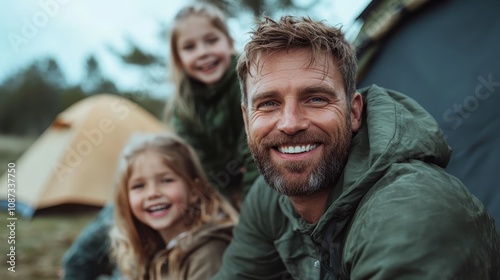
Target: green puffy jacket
<point>395,213</point>
<point>217,133</point>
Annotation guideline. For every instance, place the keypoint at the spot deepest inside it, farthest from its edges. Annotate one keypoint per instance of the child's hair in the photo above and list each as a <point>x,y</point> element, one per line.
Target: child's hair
<point>138,249</point>
<point>182,102</point>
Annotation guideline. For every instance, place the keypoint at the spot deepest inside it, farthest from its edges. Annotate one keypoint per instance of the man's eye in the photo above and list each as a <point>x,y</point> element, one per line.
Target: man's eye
<point>317,99</point>
<point>269,103</point>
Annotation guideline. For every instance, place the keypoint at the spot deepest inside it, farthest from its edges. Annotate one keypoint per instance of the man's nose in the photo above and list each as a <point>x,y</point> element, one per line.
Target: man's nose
<point>293,118</point>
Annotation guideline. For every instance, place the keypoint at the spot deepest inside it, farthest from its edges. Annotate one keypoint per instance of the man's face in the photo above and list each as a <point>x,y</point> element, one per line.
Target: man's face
<point>298,126</point>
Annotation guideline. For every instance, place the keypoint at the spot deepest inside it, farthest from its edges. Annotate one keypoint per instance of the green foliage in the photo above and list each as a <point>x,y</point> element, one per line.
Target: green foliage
<point>139,57</point>
<point>259,7</point>
<point>95,81</point>
<point>31,98</point>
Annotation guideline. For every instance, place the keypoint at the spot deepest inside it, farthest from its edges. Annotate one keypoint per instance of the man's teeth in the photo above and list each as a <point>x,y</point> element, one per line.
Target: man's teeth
<point>296,149</point>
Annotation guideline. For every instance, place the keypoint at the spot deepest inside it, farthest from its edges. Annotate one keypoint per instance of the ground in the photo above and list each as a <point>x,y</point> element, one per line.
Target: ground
<point>40,243</point>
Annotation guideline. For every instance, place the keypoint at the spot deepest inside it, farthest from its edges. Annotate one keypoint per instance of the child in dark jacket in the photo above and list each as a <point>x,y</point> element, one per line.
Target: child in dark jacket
<point>206,107</point>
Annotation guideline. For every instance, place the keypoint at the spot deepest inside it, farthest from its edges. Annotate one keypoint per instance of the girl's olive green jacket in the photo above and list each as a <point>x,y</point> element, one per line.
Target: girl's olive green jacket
<point>203,252</point>
<point>217,133</point>
<point>394,214</point>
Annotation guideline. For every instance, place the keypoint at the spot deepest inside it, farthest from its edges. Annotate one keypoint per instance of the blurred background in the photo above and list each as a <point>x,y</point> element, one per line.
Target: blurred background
<point>54,53</point>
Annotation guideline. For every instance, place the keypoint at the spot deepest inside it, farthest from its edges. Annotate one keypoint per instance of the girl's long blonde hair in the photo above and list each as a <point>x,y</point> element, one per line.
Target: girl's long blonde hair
<point>181,101</point>
<point>139,250</point>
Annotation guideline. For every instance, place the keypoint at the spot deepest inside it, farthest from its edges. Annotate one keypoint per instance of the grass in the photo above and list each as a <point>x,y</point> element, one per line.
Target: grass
<point>11,148</point>
<point>40,243</point>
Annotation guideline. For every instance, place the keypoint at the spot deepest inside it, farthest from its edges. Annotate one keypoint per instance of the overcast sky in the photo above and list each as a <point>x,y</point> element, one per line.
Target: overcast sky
<point>70,30</point>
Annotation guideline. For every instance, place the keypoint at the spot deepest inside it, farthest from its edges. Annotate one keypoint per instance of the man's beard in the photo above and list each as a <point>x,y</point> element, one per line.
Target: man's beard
<point>325,174</point>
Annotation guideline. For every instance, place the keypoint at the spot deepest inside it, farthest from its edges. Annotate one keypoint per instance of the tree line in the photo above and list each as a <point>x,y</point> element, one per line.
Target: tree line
<point>31,97</point>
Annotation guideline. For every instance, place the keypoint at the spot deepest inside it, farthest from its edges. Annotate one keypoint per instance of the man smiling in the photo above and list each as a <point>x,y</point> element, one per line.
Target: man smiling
<point>353,182</point>
<point>299,130</point>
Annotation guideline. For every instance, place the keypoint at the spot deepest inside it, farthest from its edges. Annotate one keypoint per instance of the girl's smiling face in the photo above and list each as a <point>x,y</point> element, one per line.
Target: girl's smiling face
<point>158,197</point>
<point>204,51</point>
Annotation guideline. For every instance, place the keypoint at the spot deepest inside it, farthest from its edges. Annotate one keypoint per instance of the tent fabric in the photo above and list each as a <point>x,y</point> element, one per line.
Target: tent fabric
<point>379,20</point>
<point>74,161</point>
<point>446,58</point>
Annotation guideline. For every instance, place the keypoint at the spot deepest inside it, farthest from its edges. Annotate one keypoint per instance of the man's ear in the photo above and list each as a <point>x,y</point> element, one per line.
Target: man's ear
<point>356,111</point>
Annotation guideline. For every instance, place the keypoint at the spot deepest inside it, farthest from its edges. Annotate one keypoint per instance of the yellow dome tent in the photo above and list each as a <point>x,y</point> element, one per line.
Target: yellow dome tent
<point>74,161</point>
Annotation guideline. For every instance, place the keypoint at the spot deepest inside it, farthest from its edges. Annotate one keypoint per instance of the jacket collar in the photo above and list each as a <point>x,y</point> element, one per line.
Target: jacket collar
<point>395,129</point>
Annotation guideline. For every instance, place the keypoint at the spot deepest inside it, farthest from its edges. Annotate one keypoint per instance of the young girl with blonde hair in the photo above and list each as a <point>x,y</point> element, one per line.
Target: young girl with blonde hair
<point>170,223</point>
<point>205,109</point>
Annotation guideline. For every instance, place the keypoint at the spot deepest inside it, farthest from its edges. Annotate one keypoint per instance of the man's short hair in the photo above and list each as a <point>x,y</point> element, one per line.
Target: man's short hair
<point>291,33</point>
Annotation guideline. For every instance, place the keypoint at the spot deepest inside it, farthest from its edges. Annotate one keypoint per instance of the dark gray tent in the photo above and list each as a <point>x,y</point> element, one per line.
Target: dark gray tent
<point>446,56</point>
